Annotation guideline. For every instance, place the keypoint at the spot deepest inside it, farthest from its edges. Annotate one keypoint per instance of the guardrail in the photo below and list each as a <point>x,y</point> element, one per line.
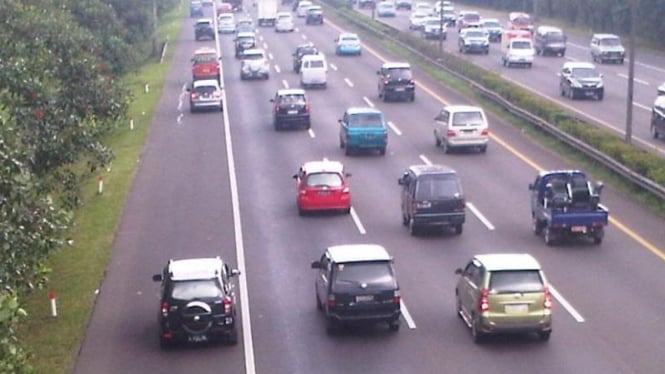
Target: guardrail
<point>632,176</point>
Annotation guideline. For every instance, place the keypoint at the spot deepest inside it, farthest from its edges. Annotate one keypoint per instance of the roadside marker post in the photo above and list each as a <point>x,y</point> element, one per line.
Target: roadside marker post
<point>100,187</point>
<point>54,307</point>
<point>131,123</point>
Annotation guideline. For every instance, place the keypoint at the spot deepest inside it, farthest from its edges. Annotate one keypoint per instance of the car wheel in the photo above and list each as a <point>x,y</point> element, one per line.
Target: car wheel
<point>445,147</point>
<point>331,327</point>
<point>537,226</point>
<point>544,335</point>
<point>319,306</point>
<point>165,344</point>
<point>413,97</point>
<point>347,151</point>
<point>414,230</point>
<point>301,212</point>
<point>653,131</point>
<point>562,90</point>
<point>476,334</point>
<point>405,219</point>
<point>571,93</point>
<point>458,305</point>
<point>549,236</point>
<point>232,339</point>
<point>341,143</point>
<point>347,210</point>
<point>266,76</point>
<point>483,148</point>
<point>621,61</point>
<point>459,228</point>
<point>600,96</point>
<point>394,325</point>
<point>277,125</point>
<point>308,125</point>
<point>382,151</point>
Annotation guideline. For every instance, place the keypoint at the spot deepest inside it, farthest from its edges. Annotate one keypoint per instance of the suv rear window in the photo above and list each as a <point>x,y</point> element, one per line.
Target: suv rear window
<point>366,120</point>
<point>192,289</point>
<point>436,187</point>
<point>203,59</point>
<point>467,118</point>
<point>511,281</point>
<point>205,89</point>
<point>398,73</point>
<point>316,64</point>
<point>291,99</point>
<point>379,272</point>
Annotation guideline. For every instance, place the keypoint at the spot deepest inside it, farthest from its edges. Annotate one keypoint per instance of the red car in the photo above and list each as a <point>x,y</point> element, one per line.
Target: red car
<point>520,21</point>
<point>322,185</point>
<point>224,8</point>
<point>205,64</point>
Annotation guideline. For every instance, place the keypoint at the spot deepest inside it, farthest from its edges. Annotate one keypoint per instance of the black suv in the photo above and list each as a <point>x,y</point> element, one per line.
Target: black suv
<point>302,50</point>
<point>356,284</point>
<point>291,108</point>
<point>197,302</point>
<point>203,29</point>
<point>396,81</point>
<point>432,197</point>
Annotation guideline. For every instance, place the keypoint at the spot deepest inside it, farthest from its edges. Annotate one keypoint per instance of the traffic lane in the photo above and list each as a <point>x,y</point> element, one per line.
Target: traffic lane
<point>172,211</point>
<point>359,209</point>
<point>615,76</point>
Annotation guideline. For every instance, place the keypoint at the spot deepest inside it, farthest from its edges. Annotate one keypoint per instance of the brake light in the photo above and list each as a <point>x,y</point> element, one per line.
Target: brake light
<point>331,301</point>
<point>165,309</point>
<point>194,95</point>
<point>598,224</point>
<point>397,297</point>
<point>451,133</point>
<point>412,81</point>
<point>303,192</point>
<point>484,302</point>
<point>462,205</point>
<point>386,81</point>
<point>547,303</point>
<point>485,132</point>
<point>227,302</point>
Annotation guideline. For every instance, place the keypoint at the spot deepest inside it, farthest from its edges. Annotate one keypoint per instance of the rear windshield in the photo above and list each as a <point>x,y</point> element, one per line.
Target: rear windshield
<point>316,64</point>
<point>475,34</point>
<point>399,73</point>
<point>324,179</point>
<point>511,281</point>
<point>188,290</point>
<point>366,120</point>
<point>204,59</point>
<point>436,187</point>
<point>491,24</point>
<point>467,118</point>
<point>521,45</point>
<point>364,272</point>
<point>472,17</point>
<point>252,56</point>
<point>585,73</point>
<point>203,23</point>
<point>292,99</point>
<point>611,42</point>
<point>205,89</point>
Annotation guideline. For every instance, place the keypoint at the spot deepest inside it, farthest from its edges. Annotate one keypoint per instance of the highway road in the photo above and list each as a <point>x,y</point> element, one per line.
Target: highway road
<point>220,184</point>
<point>543,79</point>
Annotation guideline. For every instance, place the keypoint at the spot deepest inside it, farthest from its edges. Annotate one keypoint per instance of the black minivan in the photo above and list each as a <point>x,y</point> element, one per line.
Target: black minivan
<point>432,197</point>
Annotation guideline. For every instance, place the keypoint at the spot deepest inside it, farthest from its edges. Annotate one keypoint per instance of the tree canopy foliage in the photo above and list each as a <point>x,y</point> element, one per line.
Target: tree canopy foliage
<point>60,97</point>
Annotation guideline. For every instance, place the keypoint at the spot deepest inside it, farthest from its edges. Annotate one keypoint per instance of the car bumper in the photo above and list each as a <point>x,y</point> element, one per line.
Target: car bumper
<point>505,323</point>
<point>364,317</point>
<point>469,142</point>
<point>365,143</point>
<point>217,104</point>
<point>221,328</point>
<point>254,73</point>
<point>348,50</point>
<point>314,20</point>
<point>293,119</point>
<point>476,48</point>
<point>439,219</point>
<point>519,59</point>
<point>612,57</point>
<point>316,203</point>
<point>401,92</point>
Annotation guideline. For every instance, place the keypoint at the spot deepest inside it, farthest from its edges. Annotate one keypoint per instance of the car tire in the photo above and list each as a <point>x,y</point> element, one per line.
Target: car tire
<point>347,151</point>
<point>331,327</point>
<point>414,230</point>
<point>654,132</point>
<point>445,147</point>
<point>483,148</point>
<point>413,97</point>
<point>459,228</point>
<point>537,226</point>
<point>458,306</point>
<point>544,335</point>
<point>394,325</point>
<point>405,219</point>
<point>165,344</point>
<point>232,339</point>
<point>600,96</point>
<point>476,335</point>
<point>319,306</point>
<point>382,151</point>
<point>277,125</point>
<point>308,125</point>
<point>549,236</point>
<point>347,210</point>
<point>571,94</point>
<point>301,212</point>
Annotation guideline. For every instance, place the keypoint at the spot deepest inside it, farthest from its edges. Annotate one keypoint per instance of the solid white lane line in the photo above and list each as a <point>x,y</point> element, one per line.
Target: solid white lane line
<point>425,160</point>
<point>348,82</point>
<point>277,69</point>
<point>356,220</point>
<point>333,66</point>
<point>480,216</point>
<point>285,83</point>
<point>406,314</point>
<point>311,133</point>
<point>246,320</point>
<point>648,109</point>
<point>394,128</point>
<point>566,305</point>
<point>624,76</point>
<point>368,102</point>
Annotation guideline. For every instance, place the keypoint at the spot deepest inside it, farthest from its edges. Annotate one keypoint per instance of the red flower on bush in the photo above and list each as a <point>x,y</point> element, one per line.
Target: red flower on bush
<point>39,113</point>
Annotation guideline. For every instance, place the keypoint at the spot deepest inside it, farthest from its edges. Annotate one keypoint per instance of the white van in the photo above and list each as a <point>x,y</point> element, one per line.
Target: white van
<point>313,71</point>
<point>461,126</point>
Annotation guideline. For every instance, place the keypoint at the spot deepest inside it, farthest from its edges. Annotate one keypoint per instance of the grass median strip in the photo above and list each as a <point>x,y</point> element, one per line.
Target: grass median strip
<point>78,270</point>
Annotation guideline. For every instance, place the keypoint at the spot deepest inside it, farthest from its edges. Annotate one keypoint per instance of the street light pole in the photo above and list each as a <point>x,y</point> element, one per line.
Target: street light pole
<point>631,72</point>
<point>440,27</point>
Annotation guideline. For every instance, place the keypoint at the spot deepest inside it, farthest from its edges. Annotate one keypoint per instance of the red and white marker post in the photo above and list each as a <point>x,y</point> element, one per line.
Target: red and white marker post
<point>100,187</point>
<point>54,307</point>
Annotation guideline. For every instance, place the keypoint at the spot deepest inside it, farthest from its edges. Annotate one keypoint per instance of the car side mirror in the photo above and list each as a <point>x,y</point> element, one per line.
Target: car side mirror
<point>234,273</point>
<point>339,121</point>
<point>378,72</point>
<point>316,265</point>
<point>598,187</point>
<point>295,176</point>
<point>157,278</point>
<point>272,100</point>
<point>458,271</point>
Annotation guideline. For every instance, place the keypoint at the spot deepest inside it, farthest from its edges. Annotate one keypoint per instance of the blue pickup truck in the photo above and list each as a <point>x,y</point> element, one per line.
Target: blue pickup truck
<point>564,204</point>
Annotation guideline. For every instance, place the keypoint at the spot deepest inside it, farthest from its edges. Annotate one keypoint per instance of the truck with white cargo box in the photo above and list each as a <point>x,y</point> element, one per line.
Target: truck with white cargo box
<point>266,12</point>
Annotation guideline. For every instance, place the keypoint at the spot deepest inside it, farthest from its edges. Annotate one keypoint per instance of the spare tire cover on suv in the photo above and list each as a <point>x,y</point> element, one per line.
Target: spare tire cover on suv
<point>196,317</point>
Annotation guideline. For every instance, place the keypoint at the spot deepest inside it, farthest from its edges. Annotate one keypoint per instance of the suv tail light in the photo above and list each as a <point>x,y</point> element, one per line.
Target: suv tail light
<point>194,95</point>
<point>547,303</point>
<point>331,301</point>
<point>227,302</point>
<point>276,108</point>
<point>484,302</point>
<point>412,81</point>
<point>165,309</point>
<point>485,132</point>
<point>397,297</point>
<point>451,133</point>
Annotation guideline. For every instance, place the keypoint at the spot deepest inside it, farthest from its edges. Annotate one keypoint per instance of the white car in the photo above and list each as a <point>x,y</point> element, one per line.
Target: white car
<point>518,51</point>
<point>226,23</point>
<point>254,64</point>
<point>301,10</point>
<point>416,20</point>
<point>424,8</point>
<point>205,94</point>
<point>458,126</point>
<point>284,22</point>
<point>313,71</point>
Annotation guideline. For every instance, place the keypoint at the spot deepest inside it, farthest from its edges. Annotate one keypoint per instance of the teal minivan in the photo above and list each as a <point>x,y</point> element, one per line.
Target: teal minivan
<point>363,128</point>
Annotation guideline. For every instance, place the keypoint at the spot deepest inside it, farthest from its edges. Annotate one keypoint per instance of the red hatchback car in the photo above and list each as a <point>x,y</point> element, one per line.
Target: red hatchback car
<point>322,185</point>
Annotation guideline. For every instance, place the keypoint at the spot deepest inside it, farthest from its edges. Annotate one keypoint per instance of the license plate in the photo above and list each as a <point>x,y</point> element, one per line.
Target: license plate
<point>589,93</point>
<point>399,89</point>
<point>364,298</point>
<point>292,112</point>
<point>516,308</point>
<point>324,193</point>
<point>580,229</point>
<point>197,338</point>
<point>370,136</point>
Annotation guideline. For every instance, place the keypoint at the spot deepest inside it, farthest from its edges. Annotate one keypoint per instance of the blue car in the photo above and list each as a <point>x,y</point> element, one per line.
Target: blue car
<point>348,44</point>
<point>363,128</point>
<point>195,9</point>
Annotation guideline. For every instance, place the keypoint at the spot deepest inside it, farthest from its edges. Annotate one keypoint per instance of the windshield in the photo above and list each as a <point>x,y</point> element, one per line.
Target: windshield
<point>492,24</point>
<point>472,17</point>
<point>195,289</point>
<point>437,187</point>
<point>349,39</point>
<point>324,179</point>
<point>316,64</point>
<point>522,45</point>
<point>475,34</point>
<point>399,73</point>
<point>205,59</point>
<point>246,39</point>
<point>555,37</point>
<point>511,281</point>
<point>610,42</point>
<point>467,118</point>
<point>585,73</point>
<point>366,120</point>
<point>292,99</point>
<point>379,272</point>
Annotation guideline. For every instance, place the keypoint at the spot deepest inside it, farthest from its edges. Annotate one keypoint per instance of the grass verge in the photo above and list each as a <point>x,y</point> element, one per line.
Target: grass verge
<point>78,270</point>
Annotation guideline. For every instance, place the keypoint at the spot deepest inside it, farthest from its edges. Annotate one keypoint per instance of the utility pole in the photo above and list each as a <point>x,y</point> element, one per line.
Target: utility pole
<point>631,71</point>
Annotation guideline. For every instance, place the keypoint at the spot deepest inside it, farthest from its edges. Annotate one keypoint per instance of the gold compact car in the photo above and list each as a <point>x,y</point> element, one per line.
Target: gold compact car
<point>504,293</point>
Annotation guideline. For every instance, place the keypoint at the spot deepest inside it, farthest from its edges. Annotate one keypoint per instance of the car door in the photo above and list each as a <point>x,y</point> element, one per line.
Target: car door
<point>441,124</point>
<point>323,280</point>
<point>469,287</point>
